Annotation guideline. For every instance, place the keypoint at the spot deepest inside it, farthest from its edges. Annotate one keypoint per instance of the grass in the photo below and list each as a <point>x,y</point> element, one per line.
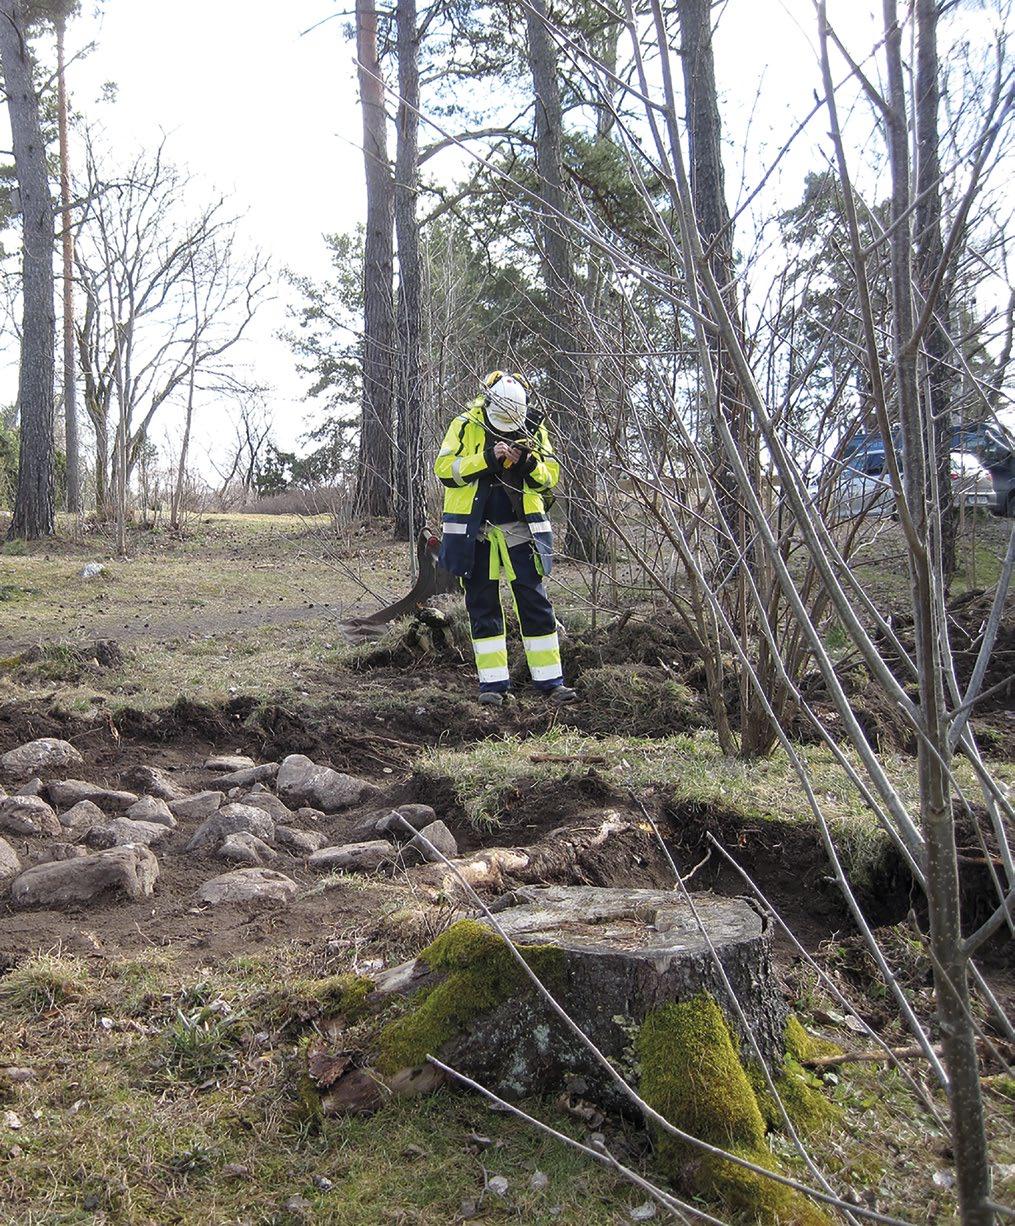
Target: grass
<point>111,1131</point>
<point>690,769</point>
<point>221,1135</point>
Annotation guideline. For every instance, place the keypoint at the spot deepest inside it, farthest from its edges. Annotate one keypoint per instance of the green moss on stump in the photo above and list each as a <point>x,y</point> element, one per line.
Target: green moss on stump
<point>693,1075</point>
<point>346,994</point>
<point>801,1091</point>
<point>481,973</point>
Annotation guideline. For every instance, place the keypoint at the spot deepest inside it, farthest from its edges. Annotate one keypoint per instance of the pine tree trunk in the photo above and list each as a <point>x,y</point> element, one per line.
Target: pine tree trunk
<point>708,191</point>
<point>71,443</point>
<point>409,484</point>
<point>374,476</point>
<point>34,504</point>
<point>565,382</point>
<point>929,252</point>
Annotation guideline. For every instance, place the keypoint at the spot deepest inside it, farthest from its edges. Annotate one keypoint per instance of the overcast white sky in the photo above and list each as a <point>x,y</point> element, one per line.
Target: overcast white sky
<point>254,109</point>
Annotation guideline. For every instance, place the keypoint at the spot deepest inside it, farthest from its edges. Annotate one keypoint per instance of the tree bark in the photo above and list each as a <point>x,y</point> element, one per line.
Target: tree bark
<point>565,380</point>
<point>70,414</point>
<point>708,191</point>
<point>929,252</point>
<point>410,504</point>
<point>374,476</point>
<point>34,505</point>
<point>950,962</point>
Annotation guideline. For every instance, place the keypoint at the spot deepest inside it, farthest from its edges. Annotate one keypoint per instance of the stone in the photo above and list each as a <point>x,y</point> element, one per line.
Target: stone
<point>253,885</point>
<point>201,805</point>
<point>268,803</point>
<point>34,787</point>
<point>46,754</point>
<point>353,857</point>
<point>232,819</point>
<point>124,830</point>
<point>123,873</point>
<point>81,816</point>
<point>10,865</point>
<point>28,815</point>
<point>152,809</point>
<point>303,781</point>
<point>154,782</point>
<point>66,793</point>
<point>56,851</point>
<point>228,762</point>
<point>420,848</point>
<point>247,776</point>
<point>612,957</point>
<point>246,848</point>
<point>393,824</point>
<point>299,842</point>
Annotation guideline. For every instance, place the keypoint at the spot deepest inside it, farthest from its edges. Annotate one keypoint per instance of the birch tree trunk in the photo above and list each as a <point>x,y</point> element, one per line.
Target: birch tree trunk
<point>70,413</point>
<point>409,486</point>
<point>566,391</point>
<point>374,476</point>
<point>34,504</point>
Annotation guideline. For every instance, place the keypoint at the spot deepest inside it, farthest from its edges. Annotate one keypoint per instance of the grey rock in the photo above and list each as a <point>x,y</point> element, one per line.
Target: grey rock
<point>47,753</point>
<point>154,782</point>
<point>10,865</point>
<point>201,805</point>
<point>268,803</point>
<point>56,851</point>
<point>301,780</point>
<point>228,762</point>
<point>232,819</point>
<point>123,872</point>
<point>84,814</point>
<point>123,830</point>
<point>299,842</point>
<point>152,809</point>
<point>28,815</point>
<point>246,848</point>
<point>353,857</point>
<point>34,787</point>
<point>393,824</point>
<point>66,793</point>
<point>257,885</point>
<point>247,776</point>
<point>420,847</point>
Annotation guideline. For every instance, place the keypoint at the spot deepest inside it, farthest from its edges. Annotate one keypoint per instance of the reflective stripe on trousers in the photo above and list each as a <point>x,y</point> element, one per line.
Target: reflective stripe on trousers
<point>535,616</point>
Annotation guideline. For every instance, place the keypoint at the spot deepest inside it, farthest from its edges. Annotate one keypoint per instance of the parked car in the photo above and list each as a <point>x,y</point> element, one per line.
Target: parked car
<point>988,443</point>
<point>972,484</point>
<point>868,490</point>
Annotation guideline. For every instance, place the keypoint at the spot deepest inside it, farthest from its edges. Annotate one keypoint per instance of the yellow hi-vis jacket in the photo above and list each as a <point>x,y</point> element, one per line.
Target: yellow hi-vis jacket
<point>462,463</point>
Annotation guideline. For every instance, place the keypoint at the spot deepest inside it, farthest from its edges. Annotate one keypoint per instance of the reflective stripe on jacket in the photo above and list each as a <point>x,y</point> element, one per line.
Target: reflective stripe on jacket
<point>461,464</point>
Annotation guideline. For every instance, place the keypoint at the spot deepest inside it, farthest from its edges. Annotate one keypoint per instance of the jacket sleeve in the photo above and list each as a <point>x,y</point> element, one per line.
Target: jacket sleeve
<point>545,473</point>
<point>453,468</point>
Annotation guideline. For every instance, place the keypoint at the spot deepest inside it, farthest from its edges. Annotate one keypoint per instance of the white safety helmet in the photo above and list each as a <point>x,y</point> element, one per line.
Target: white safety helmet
<point>506,401</point>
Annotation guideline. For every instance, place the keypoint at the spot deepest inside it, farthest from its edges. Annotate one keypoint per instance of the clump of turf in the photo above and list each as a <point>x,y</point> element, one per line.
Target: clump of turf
<point>692,1074</point>
<point>44,983</point>
<point>481,973</point>
<point>641,699</point>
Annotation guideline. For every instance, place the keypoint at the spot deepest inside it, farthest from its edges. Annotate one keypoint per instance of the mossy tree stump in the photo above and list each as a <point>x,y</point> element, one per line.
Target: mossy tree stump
<point>611,957</point>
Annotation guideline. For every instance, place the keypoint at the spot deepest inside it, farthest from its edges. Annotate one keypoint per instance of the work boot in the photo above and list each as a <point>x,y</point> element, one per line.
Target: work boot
<point>561,694</point>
